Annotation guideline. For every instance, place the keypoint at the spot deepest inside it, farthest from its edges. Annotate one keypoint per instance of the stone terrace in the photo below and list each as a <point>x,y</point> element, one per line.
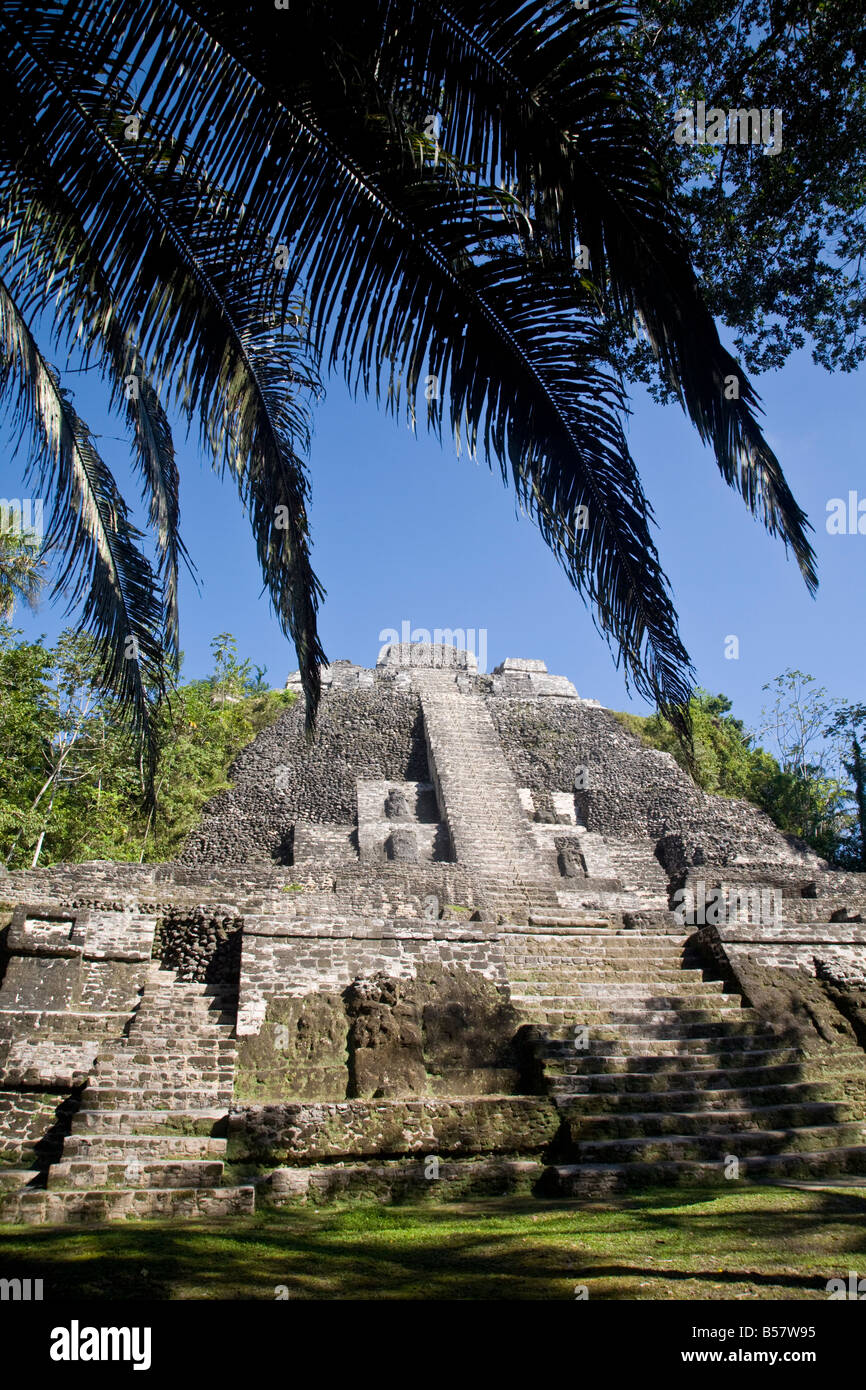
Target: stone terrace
<point>432,952</point>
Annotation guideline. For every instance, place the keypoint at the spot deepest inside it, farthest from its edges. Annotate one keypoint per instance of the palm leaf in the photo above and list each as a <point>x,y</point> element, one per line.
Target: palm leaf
<point>56,267</point>
<point>408,270</point>
<point>163,238</point>
<point>542,93</point>
<point>101,566</point>
<point>388,296</point>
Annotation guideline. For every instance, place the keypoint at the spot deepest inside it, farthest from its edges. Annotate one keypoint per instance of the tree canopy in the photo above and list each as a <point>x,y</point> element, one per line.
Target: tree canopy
<point>71,782</point>
<point>809,777</point>
<point>777,242</point>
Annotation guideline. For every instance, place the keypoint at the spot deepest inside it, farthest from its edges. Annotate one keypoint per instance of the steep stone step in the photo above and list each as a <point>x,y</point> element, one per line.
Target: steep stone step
<point>593,1180</point>
<point>627,1038</point>
<point>141,1054</point>
<point>160,1035</point>
<point>670,1054</point>
<point>15,1179</point>
<point>147,1117</point>
<point>575,929</point>
<point>642,1124</point>
<point>144,1057</point>
<point>586,980</point>
<point>679,1058</point>
<point>639,992</point>
<point>671,1024</point>
<point>625,1008</point>
<point>153,1079</point>
<point>485,817</point>
<point>208,1072</point>
<point>716,1145</point>
<point>649,1074</point>
<point>135,1172</point>
<point>149,1098</point>
<point>565,949</point>
<point>700,1100</point>
<point>209,1022</point>
<point>193,1122</point>
<point>125,1146</point>
<point>634,862</point>
<point>126,1204</point>
<point>617,1025</point>
<point>167,993</point>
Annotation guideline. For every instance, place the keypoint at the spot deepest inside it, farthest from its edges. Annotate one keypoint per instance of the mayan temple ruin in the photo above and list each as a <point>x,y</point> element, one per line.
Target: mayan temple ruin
<point>474,938</point>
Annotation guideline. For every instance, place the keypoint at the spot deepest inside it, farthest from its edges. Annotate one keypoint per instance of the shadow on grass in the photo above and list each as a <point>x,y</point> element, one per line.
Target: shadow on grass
<point>519,1249</point>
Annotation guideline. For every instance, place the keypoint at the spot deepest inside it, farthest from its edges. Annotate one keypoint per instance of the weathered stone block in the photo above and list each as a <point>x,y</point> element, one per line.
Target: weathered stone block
<point>300,1052</point>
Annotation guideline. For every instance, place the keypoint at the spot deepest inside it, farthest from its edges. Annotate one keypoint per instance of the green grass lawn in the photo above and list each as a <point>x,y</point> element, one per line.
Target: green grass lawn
<point>743,1243</point>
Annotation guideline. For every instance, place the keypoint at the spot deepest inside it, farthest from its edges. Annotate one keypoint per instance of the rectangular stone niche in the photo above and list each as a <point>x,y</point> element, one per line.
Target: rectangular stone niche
<point>400,821</point>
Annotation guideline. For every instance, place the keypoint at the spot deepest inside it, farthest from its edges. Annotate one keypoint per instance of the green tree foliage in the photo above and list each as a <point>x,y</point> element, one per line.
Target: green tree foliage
<point>777,240</point>
<point>72,785</point>
<point>721,757</point>
<point>857,771</point>
<point>22,571</point>
<point>848,730</point>
<point>808,795</point>
<point>804,783</point>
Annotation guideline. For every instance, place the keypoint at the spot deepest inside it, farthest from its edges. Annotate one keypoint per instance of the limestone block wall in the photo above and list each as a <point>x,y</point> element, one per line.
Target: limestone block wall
<point>341,1009</point>
<point>287,959</point>
<point>31,1126</point>
<point>71,982</point>
<point>400,820</point>
<point>630,790</point>
<point>385,889</point>
<point>808,980</point>
<point>81,960</point>
<point>804,947</point>
<point>313,1133</point>
<point>314,843</point>
<point>370,731</point>
<point>202,945</point>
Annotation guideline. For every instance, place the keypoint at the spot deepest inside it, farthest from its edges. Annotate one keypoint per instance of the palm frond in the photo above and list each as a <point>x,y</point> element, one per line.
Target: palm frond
<point>21,571</point>
<point>55,267</point>
<point>410,267</point>
<point>393,279</point>
<point>101,566</point>
<point>164,239</point>
<point>541,92</point>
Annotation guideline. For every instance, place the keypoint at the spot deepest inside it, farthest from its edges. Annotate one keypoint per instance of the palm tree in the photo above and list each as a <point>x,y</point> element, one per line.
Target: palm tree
<point>214,199</point>
<point>21,572</point>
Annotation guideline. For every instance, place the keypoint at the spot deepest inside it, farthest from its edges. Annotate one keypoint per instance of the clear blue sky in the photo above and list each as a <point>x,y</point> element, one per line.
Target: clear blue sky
<point>403,530</point>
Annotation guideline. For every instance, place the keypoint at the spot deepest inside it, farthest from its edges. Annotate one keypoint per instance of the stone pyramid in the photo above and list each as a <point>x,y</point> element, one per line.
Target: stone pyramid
<point>474,938</point>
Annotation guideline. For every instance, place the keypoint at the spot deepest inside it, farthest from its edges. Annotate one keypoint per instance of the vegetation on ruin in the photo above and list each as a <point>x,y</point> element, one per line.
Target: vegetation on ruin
<point>811,783</point>
<point>72,783</point>
<point>777,242</point>
<point>71,780</point>
<point>736,1242</point>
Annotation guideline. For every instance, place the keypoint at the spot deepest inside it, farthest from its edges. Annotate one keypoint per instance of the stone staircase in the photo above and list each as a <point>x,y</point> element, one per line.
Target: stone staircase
<point>145,1141</point>
<point>642,876</point>
<point>661,1077</point>
<point>486,820</point>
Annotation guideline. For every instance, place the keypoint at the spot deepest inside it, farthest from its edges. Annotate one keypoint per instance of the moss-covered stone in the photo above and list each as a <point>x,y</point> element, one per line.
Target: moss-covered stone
<point>446,1032</point>
<point>299,1054</point>
<point>795,1002</point>
<point>401,1181</point>
<point>468,1023</point>
<point>385,1040</point>
<point>309,1133</point>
